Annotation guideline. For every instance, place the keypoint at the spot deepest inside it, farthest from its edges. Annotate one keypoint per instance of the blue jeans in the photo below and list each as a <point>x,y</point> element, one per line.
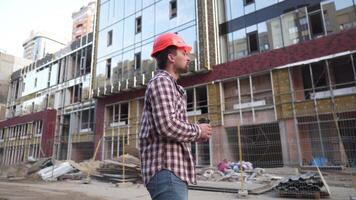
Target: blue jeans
<point>164,185</point>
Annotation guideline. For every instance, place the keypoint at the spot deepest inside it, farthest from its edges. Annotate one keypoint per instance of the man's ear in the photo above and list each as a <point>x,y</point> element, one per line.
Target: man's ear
<point>170,58</point>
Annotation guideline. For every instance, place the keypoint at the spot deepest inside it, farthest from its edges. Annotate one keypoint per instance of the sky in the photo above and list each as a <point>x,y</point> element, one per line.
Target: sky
<point>19,17</point>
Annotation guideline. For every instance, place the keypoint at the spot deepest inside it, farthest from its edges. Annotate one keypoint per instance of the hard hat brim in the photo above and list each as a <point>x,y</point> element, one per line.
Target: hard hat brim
<point>184,46</point>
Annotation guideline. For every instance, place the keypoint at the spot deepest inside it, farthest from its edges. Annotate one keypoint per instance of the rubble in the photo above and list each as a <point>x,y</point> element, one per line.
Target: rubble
<point>52,172</point>
<point>39,164</point>
<point>14,171</point>
<point>118,171</point>
<point>122,169</point>
<point>126,169</point>
<point>232,174</point>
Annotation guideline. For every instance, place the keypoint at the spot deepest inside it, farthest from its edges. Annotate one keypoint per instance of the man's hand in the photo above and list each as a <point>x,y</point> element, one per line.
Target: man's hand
<point>205,132</point>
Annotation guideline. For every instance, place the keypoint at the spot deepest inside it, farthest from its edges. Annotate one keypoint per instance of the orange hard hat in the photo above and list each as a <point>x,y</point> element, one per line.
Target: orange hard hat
<point>169,39</point>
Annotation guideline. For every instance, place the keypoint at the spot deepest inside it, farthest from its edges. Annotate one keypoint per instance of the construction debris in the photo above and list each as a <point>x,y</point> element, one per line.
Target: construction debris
<point>118,171</point>
<point>52,172</point>
<point>122,169</point>
<point>87,166</point>
<point>39,164</point>
<point>256,175</point>
<point>73,176</point>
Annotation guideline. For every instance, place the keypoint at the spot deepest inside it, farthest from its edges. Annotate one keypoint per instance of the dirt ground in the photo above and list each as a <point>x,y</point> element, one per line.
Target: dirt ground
<point>75,190</point>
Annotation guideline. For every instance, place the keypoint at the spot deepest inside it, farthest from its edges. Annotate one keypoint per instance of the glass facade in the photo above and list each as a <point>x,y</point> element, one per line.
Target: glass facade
<point>237,8</point>
<point>119,16</point>
<point>290,28</point>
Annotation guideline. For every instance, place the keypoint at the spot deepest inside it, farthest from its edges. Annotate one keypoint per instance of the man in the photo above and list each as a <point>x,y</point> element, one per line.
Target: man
<point>165,135</point>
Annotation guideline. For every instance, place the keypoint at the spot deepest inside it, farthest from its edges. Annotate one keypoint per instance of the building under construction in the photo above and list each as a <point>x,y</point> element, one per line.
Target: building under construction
<point>284,71</point>
<point>49,112</point>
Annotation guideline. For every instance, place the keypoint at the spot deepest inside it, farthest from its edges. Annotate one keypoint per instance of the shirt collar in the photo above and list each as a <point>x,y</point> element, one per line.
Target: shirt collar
<point>167,73</point>
<point>179,88</point>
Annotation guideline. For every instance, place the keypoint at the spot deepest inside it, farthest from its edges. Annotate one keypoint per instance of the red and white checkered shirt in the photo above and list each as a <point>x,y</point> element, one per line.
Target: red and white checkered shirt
<point>165,133</point>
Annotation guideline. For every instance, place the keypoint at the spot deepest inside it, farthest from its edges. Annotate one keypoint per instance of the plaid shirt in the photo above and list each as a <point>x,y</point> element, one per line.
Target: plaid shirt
<point>165,133</point>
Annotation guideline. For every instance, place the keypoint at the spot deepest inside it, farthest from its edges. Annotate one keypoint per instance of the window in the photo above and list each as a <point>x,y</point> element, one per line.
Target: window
<point>201,99</point>
<point>262,90</point>
<point>231,96</point>
<point>2,131</point>
<point>320,76</point>
<point>173,9</point>
<point>76,93</point>
<point>109,38</point>
<point>117,115</point>
<point>35,85</point>
<point>314,78</point>
<point>190,99</point>
<point>295,27</point>
<point>316,23</point>
<point>197,101</point>
<point>341,72</point>
<point>87,120</point>
<point>252,42</point>
<point>124,113</point>
<point>233,9</point>
<point>108,68</point>
<point>38,127</point>
<point>138,26</point>
<point>263,3</point>
<point>237,45</point>
<point>247,2</point>
<point>32,107</point>
<point>138,60</point>
<point>17,88</point>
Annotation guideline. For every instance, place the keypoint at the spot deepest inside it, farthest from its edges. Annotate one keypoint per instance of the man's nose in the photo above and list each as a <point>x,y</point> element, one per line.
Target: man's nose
<point>190,57</point>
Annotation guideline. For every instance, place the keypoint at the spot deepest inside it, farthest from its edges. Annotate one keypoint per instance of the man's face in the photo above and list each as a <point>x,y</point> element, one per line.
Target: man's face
<point>181,61</point>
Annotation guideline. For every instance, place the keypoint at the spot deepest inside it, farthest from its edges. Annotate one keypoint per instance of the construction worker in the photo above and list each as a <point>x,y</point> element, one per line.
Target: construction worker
<point>167,163</point>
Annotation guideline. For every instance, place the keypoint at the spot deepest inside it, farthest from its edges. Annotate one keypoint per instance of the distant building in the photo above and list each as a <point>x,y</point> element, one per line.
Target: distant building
<point>40,44</point>
<point>8,64</point>
<point>49,109</point>
<point>83,20</point>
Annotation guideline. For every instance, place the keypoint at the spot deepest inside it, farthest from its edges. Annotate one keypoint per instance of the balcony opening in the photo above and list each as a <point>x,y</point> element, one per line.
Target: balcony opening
<point>108,68</point>
<point>138,60</point>
<point>173,9</point>
<point>316,24</point>
<point>138,26</point>
<point>109,38</point>
<point>252,42</point>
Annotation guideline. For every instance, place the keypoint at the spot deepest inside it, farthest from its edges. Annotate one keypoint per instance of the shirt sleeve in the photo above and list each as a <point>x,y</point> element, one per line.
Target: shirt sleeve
<point>165,116</point>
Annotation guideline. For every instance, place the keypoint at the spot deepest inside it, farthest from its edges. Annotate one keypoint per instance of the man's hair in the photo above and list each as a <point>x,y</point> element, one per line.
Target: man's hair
<point>162,56</point>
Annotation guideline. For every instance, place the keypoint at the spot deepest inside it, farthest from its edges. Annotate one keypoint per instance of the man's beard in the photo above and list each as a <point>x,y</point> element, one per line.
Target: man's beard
<point>183,70</point>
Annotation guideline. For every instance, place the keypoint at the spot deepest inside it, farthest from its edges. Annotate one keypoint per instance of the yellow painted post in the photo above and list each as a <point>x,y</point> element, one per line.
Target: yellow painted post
<point>242,191</point>
<point>123,158</point>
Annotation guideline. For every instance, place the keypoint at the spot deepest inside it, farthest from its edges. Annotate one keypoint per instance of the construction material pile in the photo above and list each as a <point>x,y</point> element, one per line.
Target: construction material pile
<point>308,184</point>
<point>125,168</point>
<point>122,169</point>
<point>25,170</point>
